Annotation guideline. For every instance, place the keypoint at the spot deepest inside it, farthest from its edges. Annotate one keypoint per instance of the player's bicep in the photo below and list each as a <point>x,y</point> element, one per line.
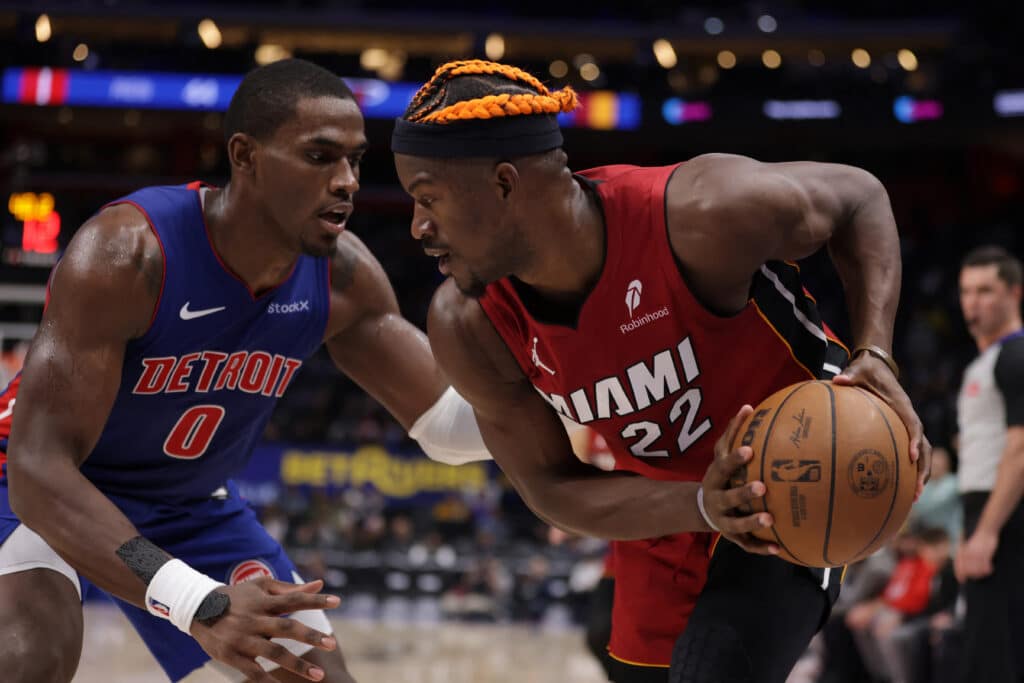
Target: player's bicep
<point>65,396</point>
<point>391,360</point>
<point>776,211</point>
<point>370,341</point>
<point>522,432</point>
<point>101,296</point>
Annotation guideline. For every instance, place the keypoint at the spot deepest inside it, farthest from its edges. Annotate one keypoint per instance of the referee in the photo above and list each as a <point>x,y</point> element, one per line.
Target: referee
<point>990,561</point>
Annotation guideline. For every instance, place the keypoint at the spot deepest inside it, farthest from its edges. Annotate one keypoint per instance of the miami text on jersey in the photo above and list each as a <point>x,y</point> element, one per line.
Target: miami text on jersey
<point>648,384</point>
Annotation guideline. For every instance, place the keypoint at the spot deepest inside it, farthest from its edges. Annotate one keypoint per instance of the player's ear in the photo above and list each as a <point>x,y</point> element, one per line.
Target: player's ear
<point>506,179</point>
<point>241,148</point>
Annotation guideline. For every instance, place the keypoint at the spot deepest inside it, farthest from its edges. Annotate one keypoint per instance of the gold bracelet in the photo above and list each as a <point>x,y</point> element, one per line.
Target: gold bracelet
<point>881,354</point>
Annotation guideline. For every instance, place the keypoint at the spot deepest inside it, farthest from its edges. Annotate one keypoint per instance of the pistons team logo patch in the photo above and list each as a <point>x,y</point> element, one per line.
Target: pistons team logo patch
<point>249,570</point>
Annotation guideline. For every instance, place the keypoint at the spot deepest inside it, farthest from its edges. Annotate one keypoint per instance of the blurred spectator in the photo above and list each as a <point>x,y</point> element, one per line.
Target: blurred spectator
<point>939,504</point>
<point>531,596</point>
<point>891,629</point>
<point>480,594</point>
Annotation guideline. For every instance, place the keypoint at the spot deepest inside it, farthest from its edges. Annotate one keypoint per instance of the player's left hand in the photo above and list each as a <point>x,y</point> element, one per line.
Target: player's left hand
<point>871,373</point>
<point>974,556</point>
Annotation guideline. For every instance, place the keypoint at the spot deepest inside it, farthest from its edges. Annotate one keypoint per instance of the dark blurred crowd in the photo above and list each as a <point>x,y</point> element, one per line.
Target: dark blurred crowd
<point>474,556</point>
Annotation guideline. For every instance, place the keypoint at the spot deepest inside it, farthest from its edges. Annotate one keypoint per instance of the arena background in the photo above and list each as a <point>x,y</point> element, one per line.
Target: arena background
<point>105,96</point>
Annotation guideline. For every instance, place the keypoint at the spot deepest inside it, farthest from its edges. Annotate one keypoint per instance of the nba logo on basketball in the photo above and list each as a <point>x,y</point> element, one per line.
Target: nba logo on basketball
<point>249,570</point>
<point>633,296</point>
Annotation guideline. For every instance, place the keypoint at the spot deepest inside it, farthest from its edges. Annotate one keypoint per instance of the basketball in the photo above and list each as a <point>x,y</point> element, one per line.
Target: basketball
<point>836,467</point>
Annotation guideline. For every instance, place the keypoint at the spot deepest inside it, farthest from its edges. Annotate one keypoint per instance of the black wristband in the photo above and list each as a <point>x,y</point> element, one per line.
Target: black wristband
<point>143,557</point>
<point>213,607</point>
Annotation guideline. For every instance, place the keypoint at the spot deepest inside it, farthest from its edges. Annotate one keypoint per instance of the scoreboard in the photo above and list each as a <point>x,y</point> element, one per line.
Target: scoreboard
<point>34,240</point>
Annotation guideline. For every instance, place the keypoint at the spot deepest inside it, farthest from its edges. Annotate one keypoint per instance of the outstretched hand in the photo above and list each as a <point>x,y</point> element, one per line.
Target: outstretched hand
<point>243,633</point>
<point>874,375</point>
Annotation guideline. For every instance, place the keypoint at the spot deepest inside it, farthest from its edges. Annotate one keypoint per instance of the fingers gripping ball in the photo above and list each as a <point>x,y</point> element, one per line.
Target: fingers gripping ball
<point>836,467</point>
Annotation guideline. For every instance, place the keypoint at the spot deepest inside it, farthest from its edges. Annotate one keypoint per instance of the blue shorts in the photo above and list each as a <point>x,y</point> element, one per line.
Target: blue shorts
<point>220,537</point>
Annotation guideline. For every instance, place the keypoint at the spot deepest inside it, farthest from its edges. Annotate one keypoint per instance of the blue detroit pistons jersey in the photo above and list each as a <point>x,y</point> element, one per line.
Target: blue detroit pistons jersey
<point>199,386</point>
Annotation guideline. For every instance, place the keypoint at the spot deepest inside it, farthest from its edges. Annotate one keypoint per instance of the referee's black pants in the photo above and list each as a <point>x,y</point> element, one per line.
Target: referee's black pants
<point>994,627</point>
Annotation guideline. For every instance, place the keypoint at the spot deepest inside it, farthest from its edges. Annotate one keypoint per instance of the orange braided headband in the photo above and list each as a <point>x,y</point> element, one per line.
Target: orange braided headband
<point>504,125</point>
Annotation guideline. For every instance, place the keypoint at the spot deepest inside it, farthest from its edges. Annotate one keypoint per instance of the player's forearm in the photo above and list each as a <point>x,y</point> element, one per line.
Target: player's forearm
<point>865,249</point>
<point>78,521</point>
<point>391,360</point>
<point>1007,492</point>
<point>614,505</point>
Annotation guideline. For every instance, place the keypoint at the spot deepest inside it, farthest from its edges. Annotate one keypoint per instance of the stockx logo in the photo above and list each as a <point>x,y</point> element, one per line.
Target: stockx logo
<point>294,307</point>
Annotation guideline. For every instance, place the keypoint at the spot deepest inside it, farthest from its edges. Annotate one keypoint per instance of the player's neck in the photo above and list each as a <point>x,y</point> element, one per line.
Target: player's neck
<point>572,225</point>
<point>245,243</point>
<point>1012,325</point>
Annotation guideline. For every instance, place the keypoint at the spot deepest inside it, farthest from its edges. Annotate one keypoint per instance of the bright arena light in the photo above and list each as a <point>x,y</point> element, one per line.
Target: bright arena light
<point>589,71</point>
<point>767,23</point>
<point>861,58</point>
<point>907,59</point>
<point>665,53</point>
<point>269,53</point>
<point>714,25</point>
<point>209,33</point>
<point>44,31</point>
<point>771,59</point>
<point>494,47</point>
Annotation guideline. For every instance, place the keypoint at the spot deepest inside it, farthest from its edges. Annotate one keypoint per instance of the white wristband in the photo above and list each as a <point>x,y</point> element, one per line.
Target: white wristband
<point>176,592</point>
<point>703,512</point>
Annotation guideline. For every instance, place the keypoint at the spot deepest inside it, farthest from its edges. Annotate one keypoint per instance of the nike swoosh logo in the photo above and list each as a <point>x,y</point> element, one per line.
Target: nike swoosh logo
<point>191,315</point>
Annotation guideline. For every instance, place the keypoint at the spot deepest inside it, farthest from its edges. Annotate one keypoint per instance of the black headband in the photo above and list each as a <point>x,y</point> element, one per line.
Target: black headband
<point>507,136</point>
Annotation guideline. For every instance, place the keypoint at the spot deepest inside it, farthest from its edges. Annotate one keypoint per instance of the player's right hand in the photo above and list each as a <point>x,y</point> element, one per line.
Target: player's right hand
<point>244,631</point>
<point>728,507</point>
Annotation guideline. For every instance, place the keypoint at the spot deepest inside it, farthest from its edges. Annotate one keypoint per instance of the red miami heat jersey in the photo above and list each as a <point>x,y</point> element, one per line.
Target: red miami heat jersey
<point>647,366</point>
<point>659,377</point>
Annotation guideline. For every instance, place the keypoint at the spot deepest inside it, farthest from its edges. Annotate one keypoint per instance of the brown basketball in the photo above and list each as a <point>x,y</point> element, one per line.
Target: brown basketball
<point>835,462</point>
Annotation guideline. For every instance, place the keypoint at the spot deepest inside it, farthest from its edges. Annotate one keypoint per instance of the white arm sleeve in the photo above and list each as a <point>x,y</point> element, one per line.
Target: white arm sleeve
<point>448,432</point>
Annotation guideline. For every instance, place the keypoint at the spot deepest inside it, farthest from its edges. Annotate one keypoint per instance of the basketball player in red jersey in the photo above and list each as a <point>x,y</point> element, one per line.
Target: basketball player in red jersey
<point>650,304</point>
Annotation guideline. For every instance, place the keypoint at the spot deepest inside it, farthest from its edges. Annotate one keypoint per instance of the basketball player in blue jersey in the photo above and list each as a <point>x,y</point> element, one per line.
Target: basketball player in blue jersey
<point>177,317</point>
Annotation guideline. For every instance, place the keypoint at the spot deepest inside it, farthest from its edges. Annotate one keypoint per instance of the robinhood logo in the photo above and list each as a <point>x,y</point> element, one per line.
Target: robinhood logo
<point>633,292</point>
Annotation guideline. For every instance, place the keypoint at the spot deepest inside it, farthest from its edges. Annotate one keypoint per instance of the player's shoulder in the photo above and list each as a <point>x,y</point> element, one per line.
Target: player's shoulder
<point>452,309</point>
<point>116,240</point>
<point>111,272</point>
<point>458,321</point>
<point>359,287</point>
<point>466,344</point>
<point>698,181</point>
<point>355,270</point>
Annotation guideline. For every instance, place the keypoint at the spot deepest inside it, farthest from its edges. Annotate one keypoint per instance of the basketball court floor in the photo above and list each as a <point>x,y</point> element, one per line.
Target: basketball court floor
<point>428,653</point>
<point>379,651</point>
